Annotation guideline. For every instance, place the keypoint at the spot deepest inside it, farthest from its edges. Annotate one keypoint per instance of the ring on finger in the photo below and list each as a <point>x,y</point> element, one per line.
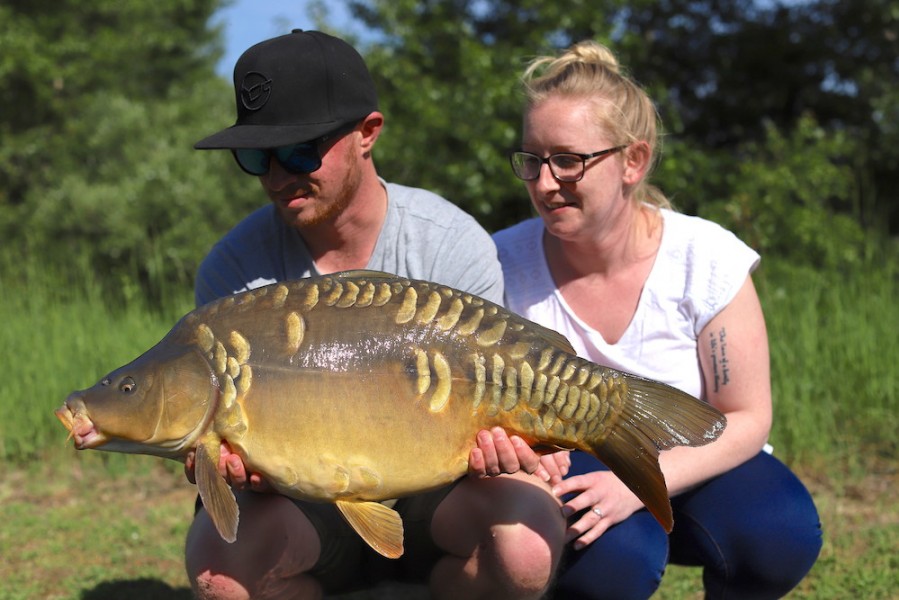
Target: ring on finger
<point>598,512</point>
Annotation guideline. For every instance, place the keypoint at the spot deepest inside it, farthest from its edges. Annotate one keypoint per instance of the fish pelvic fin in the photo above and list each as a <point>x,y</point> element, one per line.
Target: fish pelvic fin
<point>380,526</point>
<point>655,417</point>
<point>217,497</point>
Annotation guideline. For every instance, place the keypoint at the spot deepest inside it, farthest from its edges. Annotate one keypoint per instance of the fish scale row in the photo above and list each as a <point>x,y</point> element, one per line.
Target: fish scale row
<point>235,376</point>
<point>569,401</point>
<point>559,406</point>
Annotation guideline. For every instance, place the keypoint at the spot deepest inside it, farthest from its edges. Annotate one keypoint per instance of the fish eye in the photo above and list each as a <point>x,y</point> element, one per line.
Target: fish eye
<point>127,385</point>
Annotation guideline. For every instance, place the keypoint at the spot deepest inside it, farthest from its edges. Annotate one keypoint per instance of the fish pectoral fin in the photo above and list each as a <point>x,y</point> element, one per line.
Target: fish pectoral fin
<point>381,527</point>
<point>217,497</point>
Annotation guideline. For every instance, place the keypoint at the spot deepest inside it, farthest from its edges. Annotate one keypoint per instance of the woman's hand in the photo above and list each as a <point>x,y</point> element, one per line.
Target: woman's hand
<point>604,501</point>
<point>498,453</point>
<point>230,467</point>
<point>556,465</point>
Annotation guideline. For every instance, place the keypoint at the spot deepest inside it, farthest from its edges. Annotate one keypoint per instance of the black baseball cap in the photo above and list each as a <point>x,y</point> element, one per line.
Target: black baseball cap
<point>295,88</point>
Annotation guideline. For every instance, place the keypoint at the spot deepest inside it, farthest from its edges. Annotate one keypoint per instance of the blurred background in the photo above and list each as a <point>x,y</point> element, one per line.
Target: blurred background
<point>781,118</point>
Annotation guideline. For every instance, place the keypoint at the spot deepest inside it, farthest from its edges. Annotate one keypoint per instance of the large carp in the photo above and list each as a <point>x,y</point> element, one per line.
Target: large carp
<point>360,386</point>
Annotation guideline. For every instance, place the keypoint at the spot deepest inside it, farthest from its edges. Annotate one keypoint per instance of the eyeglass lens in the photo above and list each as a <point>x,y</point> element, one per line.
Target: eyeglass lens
<point>564,167</point>
<point>297,159</point>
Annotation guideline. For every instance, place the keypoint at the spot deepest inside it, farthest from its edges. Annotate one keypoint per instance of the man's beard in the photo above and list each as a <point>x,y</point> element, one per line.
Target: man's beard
<point>340,198</point>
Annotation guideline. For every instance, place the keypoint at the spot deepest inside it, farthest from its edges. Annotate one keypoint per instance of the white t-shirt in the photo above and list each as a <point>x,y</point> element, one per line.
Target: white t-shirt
<point>699,269</point>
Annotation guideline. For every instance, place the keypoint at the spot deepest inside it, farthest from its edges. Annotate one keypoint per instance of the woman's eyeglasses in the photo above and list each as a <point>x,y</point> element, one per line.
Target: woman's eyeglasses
<point>566,167</point>
<point>298,159</point>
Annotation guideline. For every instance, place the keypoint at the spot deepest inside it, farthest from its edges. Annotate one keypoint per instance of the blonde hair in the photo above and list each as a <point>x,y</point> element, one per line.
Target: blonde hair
<point>590,71</point>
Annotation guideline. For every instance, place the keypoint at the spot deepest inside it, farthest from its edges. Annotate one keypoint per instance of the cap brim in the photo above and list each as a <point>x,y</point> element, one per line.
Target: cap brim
<point>264,136</point>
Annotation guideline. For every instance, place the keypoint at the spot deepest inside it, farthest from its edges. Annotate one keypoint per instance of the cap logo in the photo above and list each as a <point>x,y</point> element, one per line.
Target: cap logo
<point>255,90</point>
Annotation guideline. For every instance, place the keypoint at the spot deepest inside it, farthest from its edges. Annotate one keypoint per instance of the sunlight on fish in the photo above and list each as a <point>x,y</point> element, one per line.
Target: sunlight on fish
<point>327,386</point>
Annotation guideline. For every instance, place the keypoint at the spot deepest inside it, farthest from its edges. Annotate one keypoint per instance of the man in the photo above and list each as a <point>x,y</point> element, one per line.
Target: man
<point>307,121</point>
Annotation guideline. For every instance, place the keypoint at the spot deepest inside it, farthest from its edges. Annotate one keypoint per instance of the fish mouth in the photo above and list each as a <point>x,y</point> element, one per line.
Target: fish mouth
<point>73,416</point>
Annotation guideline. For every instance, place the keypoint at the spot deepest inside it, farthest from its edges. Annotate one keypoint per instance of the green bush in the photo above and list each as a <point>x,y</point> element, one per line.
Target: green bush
<point>791,198</point>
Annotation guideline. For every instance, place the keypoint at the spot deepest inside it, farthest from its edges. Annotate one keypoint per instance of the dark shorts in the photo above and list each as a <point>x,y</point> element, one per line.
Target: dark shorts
<point>347,562</point>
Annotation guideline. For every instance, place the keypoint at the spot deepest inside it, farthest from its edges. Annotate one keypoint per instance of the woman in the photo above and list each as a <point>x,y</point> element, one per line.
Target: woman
<point>640,288</point>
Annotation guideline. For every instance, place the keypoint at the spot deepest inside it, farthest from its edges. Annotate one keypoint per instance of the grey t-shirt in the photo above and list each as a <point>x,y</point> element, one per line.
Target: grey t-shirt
<point>423,237</point>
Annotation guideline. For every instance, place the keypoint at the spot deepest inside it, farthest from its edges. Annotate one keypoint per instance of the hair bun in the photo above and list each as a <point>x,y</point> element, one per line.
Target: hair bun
<point>595,53</point>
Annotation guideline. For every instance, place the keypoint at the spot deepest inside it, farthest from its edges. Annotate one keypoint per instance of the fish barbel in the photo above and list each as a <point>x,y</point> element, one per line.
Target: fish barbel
<point>359,387</point>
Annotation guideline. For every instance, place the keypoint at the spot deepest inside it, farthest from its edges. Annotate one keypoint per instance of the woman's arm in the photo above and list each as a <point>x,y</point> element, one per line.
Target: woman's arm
<point>734,359</point>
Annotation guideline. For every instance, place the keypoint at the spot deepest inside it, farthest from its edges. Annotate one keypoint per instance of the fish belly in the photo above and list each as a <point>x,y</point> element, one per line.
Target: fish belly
<point>327,436</point>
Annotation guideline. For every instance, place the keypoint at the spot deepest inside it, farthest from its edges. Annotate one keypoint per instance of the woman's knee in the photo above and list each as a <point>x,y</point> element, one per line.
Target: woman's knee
<point>755,529</point>
<point>778,563</point>
<point>626,562</point>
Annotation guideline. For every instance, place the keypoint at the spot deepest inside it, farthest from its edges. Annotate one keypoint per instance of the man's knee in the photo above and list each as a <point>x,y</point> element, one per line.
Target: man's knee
<point>274,540</point>
<point>511,525</point>
<point>212,564</point>
<point>525,558</point>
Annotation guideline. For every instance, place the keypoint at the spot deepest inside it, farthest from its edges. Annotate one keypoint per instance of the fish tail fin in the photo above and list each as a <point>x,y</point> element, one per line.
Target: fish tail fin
<point>653,417</point>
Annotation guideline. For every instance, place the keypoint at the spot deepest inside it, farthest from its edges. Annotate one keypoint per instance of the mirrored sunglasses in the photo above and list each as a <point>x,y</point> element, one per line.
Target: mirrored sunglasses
<point>297,159</point>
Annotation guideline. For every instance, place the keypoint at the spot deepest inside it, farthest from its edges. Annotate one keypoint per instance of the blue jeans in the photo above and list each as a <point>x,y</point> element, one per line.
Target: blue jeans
<point>754,530</point>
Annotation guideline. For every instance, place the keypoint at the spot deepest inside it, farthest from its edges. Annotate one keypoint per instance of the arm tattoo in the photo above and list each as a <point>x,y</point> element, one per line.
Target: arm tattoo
<point>720,367</point>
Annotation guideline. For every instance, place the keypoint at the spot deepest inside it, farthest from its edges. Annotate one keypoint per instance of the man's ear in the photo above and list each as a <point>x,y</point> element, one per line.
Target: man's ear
<point>370,129</point>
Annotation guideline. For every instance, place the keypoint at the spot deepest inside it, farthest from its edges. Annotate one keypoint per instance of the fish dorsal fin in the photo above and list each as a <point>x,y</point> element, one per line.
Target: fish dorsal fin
<point>362,273</point>
<point>552,337</point>
<point>381,527</point>
<point>217,497</point>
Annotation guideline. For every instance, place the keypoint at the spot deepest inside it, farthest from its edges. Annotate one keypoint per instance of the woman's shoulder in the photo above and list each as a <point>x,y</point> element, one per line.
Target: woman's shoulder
<point>523,235</point>
<point>699,240</point>
<point>705,263</point>
<point>694,230</point>
<point>520,249</point>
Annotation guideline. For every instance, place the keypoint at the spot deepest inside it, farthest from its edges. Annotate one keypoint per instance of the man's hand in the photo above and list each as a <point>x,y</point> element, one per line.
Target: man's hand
<point>230,467</point>
<point>499,453</point>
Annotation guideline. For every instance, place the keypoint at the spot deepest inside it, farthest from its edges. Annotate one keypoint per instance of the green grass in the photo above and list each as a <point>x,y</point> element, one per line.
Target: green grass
<point>834,347</point>
<point>72,530</point>
<point>100,526</point>
<point>86,525</point>
<point>859,558</point>
<point>60,333</point>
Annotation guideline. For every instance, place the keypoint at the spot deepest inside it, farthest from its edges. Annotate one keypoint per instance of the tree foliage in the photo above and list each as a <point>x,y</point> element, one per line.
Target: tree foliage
<point>776,198</point>
<point>734,82</point>
<point>103,100</point>
<point>781,117</point>
<point>731,68</point>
